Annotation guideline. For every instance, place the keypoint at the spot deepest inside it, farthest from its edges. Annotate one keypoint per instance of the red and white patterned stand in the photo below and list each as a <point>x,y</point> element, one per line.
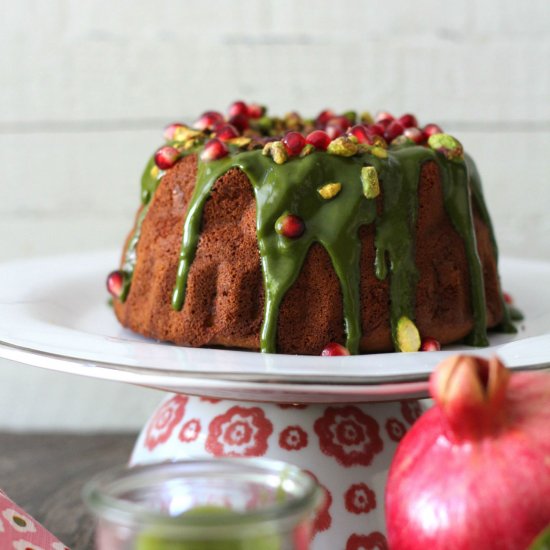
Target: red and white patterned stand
<point>348,448</point>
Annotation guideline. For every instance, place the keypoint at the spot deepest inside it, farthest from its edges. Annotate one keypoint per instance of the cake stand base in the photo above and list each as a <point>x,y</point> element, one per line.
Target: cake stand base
<point>347,448</point>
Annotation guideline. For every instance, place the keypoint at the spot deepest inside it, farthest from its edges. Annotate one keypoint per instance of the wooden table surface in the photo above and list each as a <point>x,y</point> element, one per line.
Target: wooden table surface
<point>44,474</point>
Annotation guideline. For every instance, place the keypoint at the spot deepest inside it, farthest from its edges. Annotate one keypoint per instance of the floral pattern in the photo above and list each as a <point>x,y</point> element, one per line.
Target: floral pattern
<point>396,430</point>
<point>293,438</point>
<point>411,410</point>
<point>18,531</point>
<point>323,519</point>
<point>241,431</point>
<point>18,521</point>
<point>360,499</point>
<point>190,430</point>
<point>25,545</point>
<point>209,399</point>
<point>165,420</point>
<point>349,435</point>
<point>374,541</point>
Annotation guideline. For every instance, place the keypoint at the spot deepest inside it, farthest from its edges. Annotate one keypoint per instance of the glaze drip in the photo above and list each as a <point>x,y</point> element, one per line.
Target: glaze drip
<point>292,187</point>
<point>286,184</point>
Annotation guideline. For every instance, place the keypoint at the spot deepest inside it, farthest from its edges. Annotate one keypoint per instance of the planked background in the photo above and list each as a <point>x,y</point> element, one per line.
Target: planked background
<point>86,86</point>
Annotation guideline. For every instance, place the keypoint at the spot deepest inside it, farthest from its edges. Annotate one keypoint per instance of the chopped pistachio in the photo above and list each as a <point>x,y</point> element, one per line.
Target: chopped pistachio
<point>329,190</point>
<point>278,152</point>
<point>265,124</point>
<point>401,141</point>
<point>407,335</point>
<point>369,179</point>
<point>154,171</point>
<point>379,141</point>
<point>307,150</point>
<point>351,116</point>
<point>366,118</point>
<point>240,141</point>
<point>379,152</point>
<point>188,144</point>
<point>183,133</point>
<point>266,151</point>
<point>353,138</point>
<point>342,146</point>
<point>447,145</point>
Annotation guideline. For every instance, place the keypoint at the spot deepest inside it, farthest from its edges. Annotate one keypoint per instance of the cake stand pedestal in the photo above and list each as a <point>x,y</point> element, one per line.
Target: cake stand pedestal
<point>347,447</point>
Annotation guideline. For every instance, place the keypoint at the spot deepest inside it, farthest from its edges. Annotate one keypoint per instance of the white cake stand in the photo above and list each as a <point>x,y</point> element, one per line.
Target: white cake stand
<point>341,418</point>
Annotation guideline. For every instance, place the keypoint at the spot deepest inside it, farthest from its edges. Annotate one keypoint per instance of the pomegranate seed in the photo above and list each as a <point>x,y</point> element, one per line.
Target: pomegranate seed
<point>319,139</point>
<point>240,122</point>
<point>208,120</point>
<point>333,349</point>
<point>430,344</point>
<point>408,120</point>
<point>115,282</point>
<point>376,129</point>
<point>226,132</point>
<point>323,117</point>
<point>334,132</point>
<point>256,111</point>
<point>415,134</point>
<point>341,122</point>
<point>508,298</point>
<point>166,157</point>
<point>238,108</point>
<point>290,226</point>
<point>382,116</point>
<point>394,129</point>
<point>170,130</point>
<point>431,129</point>
<point>361,133</point>
<point>294,143</point>
<point>214,150</point>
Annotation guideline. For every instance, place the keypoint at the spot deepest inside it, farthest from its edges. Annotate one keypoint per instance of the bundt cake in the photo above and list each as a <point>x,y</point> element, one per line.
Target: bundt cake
<point>335,235</point>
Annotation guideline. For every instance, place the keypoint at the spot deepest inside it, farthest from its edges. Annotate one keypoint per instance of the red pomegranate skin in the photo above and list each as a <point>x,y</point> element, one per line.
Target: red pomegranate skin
<point>483,495</point>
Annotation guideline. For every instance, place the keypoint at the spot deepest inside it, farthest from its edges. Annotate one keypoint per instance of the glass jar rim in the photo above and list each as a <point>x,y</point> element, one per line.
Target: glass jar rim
<point>102,494</point>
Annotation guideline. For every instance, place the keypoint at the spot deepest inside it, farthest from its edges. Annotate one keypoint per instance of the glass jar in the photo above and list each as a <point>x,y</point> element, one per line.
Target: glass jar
<point>206,504</point>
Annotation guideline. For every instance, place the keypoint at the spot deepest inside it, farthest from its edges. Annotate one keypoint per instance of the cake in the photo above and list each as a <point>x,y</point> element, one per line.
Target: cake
<point>334,235</point>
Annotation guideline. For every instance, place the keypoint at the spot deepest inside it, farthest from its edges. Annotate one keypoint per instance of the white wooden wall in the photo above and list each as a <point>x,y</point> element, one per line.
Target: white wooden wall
<point>86,86</point>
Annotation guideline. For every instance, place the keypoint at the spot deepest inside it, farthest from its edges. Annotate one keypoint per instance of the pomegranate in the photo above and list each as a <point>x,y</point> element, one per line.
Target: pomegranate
<point>115,283</point>
<point>290,226</point>
<point>166,157</point>
<point>430,344</point>
<point>240,122</point>
<point>361,133</point>
<point>294,142</point>
<point>431,129</point>
<point>227,132</point>
<point>171,129</point>
<point>208,120</point>
<point>334,349</point>
<point>319,139</point>
<point>323,117</point>
<point>213,150</point>
<point>238,108</point>
<point>408,120</point>
<point>415,134</point>
<point>393,130</point>
<point>474,471</point>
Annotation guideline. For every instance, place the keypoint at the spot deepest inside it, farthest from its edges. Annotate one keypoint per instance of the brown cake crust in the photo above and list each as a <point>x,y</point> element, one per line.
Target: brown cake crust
<point>225,297</point>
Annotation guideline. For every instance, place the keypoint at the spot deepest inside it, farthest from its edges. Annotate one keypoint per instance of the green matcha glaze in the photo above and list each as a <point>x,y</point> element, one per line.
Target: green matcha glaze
<point>292,188</point>
<point>150,540</point>
<point>477,193</point>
